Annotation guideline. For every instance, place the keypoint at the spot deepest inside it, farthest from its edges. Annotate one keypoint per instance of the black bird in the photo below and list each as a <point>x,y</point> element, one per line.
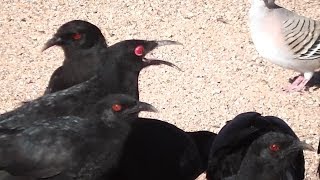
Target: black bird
<point>82,43</point>
<point>158,150</point>
<point>203,140</point>
<point>129,67</point>
<point>71,147</point>
<point>232,142</point>
<point>115,75</point>
<point>268,157</point>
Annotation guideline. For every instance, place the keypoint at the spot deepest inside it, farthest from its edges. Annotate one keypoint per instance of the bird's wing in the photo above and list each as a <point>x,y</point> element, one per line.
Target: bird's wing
<point>56,81</point>
<point>302,36</point>
<point>42,150</point>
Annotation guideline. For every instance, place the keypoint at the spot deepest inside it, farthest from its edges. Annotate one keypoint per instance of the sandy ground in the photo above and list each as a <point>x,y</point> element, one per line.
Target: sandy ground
<point>222,73</point>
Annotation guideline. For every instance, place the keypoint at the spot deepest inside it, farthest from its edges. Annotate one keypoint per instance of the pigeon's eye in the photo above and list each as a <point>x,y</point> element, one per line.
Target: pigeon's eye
<point>139,50</point>
<point>274,147</point>
<point>116,107</point>
<point>76,36</point>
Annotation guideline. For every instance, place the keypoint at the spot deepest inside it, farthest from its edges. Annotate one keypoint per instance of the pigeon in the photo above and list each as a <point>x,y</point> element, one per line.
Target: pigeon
<point>234,139</point>
<point>268,157</point>
<point>82,43</point>
<point>78,99</point>
<point>70,147</point>
<point>286,39</point>
<point>158,150</point>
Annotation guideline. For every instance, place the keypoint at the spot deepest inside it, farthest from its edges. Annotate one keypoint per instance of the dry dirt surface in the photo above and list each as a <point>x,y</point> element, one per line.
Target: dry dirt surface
<point>222,73</point>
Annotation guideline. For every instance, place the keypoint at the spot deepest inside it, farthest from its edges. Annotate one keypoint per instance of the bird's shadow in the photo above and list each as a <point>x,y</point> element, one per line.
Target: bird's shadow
<point>314,81</point>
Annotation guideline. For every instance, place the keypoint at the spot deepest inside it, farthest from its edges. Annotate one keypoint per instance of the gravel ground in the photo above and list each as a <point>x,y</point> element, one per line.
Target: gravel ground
<point>222,73</point>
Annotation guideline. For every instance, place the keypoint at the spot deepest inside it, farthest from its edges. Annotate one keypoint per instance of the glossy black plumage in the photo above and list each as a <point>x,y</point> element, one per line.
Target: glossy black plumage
<point>82,43</point>
<point>234,139</point>
<point>158,150</point>
<point>71,147</point>
<point>129,66</point>
<point>269,156</point>
<point>203,140</point>
<point>113,76</point>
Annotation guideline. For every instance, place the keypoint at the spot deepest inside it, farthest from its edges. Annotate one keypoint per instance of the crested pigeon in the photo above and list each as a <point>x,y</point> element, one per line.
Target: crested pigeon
<point>286,39</point>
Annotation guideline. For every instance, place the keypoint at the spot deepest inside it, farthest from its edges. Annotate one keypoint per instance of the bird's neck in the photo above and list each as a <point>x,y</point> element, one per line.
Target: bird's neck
<point>255,167</point>
<point>129,83</point>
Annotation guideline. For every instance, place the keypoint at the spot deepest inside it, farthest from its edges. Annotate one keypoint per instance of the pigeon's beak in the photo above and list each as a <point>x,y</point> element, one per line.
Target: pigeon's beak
<point>52,42</point>
<point>153,45</point>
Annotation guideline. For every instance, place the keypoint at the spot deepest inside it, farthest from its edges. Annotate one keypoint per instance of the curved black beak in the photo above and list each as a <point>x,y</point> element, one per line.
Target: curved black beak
<point>52,42</point>
<point>304,146</point>
<point>167,42</point>
<point>141,106</point>
<point>151,62</point>
<point>298,146</point>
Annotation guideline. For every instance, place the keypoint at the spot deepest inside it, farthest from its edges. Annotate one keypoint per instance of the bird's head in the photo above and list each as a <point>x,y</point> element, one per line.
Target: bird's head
<point>278,149</point>
<point>76,35</point>
<point>120,107</point>
<point>130,54</point>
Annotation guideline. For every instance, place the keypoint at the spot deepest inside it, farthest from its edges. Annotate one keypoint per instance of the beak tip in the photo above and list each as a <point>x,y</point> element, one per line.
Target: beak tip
<point>307,146</point>
<point>147,107</point>
<point>44,48</point>
<point>153,109</point>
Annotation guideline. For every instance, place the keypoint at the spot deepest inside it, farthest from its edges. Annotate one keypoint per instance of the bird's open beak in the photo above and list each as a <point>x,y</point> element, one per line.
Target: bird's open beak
<point>52,42</point>
<point>154,45</point>
<point>152,62</point>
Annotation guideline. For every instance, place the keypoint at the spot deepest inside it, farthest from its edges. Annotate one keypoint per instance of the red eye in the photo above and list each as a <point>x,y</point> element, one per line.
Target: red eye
<point>76,36</point>
<point>116,107</point>
<point>139,50</point>
<point>274,147</point>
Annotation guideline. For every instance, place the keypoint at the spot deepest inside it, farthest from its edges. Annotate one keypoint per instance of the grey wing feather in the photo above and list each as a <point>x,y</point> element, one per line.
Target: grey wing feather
<point>302,36</point>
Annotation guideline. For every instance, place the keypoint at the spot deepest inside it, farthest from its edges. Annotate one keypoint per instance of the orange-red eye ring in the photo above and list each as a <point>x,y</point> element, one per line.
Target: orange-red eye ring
<point>274,147</point>
<point>116,107</point>
<point>76,36</point>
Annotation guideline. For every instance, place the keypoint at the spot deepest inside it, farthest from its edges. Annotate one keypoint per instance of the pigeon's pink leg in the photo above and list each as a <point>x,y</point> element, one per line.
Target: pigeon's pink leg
<point>297,85</point>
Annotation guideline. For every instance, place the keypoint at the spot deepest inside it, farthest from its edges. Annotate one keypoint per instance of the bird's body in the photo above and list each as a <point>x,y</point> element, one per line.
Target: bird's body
<point>71,147</point>
<point>70,144</point>
<point>75,101</point>
<point>114,75</point>
<point>234,139</point>
<point>203,140</point>
<point>286,39</point>
<point>158,150</point>
<point>82,43</point>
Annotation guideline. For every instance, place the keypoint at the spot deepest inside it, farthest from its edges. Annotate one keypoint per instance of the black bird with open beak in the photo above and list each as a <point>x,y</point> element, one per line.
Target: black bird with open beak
<point>129,66</point>
<point>118,73</point>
